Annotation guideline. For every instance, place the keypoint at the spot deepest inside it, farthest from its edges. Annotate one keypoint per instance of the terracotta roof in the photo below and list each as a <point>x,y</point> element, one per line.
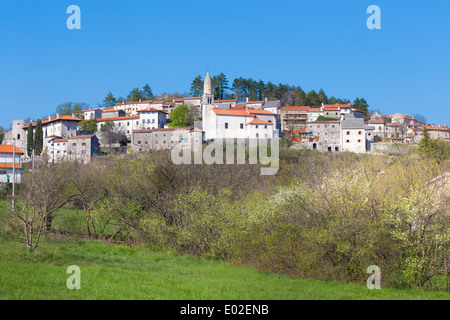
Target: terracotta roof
<point>437,128</point>
<point>331,108</point>
<point>6,148</point>
<point>252,111</point>
<point>238,108</point>
<point>315,110</point>
<point>192,98</point>
<point>60,140</point>
<point>259,121</point>
<point>357,110</point>
<point>9,166</point>
<point>376,121</point>
<point>393,124</point>
<point>53,119</point>
<point>158,102</point>
<point>295,108</point>
<point>255,102</point>
<point>242,113</point>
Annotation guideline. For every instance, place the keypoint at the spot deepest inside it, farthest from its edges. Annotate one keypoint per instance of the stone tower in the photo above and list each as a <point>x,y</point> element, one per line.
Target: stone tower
<point>206,107</point>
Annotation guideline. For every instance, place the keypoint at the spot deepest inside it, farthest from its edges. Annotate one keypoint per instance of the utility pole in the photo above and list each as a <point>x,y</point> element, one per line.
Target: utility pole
<point>14,174</point>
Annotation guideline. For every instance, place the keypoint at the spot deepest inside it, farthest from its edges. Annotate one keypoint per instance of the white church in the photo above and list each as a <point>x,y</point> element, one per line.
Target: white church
<point>221,121</point>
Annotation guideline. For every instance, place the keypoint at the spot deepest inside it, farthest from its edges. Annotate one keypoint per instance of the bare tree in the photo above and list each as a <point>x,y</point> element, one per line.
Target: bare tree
<point>42,192</point>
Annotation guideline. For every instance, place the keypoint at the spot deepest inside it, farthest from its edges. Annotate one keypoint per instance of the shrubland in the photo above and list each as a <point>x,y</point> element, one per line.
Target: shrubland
<point>323,216</point>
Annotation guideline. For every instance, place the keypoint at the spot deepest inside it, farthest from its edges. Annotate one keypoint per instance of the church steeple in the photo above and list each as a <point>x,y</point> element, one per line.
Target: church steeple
<point>207,88</point>
<point>208,97</point>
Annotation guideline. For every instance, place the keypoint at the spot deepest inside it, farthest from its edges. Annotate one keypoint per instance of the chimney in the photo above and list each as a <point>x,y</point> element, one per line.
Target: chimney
<point>49,118</point>
<point>445,125</point>
<point>57,115</point>
<point>246,99</point>
<point>140,100</point>
<point>412,116</point>
<point>265,100</point>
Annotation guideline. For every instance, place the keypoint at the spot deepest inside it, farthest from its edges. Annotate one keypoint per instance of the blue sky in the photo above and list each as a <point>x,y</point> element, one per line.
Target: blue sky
<point>404,67</point>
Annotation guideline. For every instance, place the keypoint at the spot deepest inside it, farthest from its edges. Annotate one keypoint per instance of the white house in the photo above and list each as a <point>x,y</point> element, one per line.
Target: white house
<point>7,161</point>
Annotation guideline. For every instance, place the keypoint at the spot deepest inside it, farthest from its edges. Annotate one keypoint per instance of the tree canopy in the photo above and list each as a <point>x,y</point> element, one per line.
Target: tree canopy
<point>180,117</point>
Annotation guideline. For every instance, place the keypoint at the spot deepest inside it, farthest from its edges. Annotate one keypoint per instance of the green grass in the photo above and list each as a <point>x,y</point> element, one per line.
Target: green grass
<point>119,272</point>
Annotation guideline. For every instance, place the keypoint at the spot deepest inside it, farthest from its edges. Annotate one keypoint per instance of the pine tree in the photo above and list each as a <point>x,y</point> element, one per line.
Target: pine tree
<point>38,138</point>
<point>147,92</point>
<point>197,87</point>
<point>427,146</point>
<point>30,140</point>
<point>135,95</point>
<point>109,100</point>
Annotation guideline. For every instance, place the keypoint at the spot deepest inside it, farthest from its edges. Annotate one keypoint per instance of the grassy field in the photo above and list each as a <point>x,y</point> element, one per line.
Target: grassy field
<point>119,272</point>
<point>111,271</point>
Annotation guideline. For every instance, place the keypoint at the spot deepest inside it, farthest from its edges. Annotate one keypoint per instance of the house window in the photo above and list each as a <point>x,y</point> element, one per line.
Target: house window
<point>359,132</point>
<point>265,127</point>
<point>83,151</point>
<point>348,141</point>
<point>18,137</point>
<point>226,125</point>
<point>256,126</point>
<point>83,144</point>
<point>139,142</point>
<point>359,140</point>
<point>74,144</point>
<point>242,126</point>
<point>348,133</point>
<point>257,135</point>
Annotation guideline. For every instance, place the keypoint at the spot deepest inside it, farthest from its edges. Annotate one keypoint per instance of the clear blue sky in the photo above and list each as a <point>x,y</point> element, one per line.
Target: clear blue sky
<point>404,67</point>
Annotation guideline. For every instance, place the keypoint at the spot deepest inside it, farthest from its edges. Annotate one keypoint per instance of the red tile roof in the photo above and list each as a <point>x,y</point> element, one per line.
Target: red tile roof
<point>6,148</point>
<point>252,111</point>
<point>255,102</point>
<point>60,140</point>
<point>295,108</point>
<point>9,166</point>
<point>242,113</point>
<point>54,119</point>
<point>259,121</point>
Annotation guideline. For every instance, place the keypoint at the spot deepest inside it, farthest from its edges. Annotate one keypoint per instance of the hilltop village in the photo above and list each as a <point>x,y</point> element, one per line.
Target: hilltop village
<point>145,124</point>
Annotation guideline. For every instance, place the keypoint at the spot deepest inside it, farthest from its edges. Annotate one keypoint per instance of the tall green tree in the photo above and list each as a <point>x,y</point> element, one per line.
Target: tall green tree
<point>109,100</point>
<point>136,95</point>
<point>180,117</point>
<point>38,138</point>
<point>30,140</point>
<point>427,146</point>
<point>361,104</point>
<point>197,87</point>
<point>92,124</point>
<point>69,108</point>
<point>147,92</point>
